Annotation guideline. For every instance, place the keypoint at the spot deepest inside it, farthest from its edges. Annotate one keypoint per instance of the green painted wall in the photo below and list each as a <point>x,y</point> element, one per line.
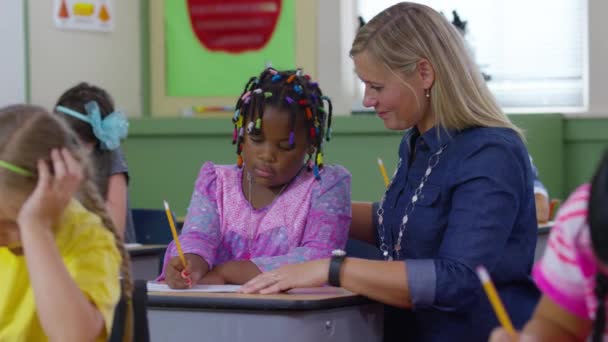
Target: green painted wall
<point>584,142</point>
<point>165,154</point>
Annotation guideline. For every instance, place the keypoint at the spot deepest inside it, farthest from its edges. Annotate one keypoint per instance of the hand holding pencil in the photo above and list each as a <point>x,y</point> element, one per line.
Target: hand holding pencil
<point>184,270</point>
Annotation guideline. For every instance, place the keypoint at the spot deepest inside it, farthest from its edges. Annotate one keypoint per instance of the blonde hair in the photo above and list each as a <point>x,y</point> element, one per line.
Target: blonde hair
<point>403,34</point>
<point>29,133</point>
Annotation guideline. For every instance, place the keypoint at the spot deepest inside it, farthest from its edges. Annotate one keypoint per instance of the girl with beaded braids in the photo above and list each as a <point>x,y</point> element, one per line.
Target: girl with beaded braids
<point>573,272</point>
<point>304,95</point>
<point>461,196</point>
<point>279,204</point>
<point>60,253</point>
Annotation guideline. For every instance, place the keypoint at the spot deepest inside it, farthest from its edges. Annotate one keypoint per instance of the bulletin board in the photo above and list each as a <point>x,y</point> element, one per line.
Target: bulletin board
<point>186,73</point>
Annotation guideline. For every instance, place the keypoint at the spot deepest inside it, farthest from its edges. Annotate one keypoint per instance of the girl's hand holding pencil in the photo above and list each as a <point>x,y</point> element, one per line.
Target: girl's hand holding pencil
<point>179,277</point>
<point>184,270</point>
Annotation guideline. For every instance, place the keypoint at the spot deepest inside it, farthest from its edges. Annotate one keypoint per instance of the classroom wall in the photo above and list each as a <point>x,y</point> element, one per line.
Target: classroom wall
<point>13,58</point>
<point>61,58</point>
<point>598,55</point>
<point>119,60</point>
<point>584,142</point>
<point>165,155</point>
<point>565,148</point>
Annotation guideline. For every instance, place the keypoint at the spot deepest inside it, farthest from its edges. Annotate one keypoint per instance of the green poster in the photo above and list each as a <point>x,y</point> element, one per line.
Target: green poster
<point>194,71</point>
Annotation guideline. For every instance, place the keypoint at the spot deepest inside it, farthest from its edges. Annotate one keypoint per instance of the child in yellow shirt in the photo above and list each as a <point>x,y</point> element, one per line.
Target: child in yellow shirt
<point>60,260</point>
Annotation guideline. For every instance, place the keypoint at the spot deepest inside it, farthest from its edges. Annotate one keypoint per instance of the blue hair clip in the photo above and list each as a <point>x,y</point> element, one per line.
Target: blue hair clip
<point>276,77</point>
<point>298,89</point>
<point>109,130</point>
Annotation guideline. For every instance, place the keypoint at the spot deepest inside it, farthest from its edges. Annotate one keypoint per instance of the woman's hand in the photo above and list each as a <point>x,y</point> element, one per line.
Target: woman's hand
<point>53,191</point>
<point>308,274</point>
<point>179,278</point>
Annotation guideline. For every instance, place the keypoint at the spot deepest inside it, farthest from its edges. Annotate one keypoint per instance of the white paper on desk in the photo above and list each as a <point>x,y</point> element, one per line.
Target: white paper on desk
<point>132,245</point>
<point>154,286</point>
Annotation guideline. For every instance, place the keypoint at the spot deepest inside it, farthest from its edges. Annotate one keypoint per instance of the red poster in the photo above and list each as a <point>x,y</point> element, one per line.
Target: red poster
<point>234,26</point>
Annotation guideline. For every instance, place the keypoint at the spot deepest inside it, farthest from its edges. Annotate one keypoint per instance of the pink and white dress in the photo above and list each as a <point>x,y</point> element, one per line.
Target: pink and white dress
<point>566,272</point>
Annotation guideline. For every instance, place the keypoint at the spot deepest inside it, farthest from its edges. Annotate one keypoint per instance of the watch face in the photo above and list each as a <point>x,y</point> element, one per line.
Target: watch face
<point>338,252</point>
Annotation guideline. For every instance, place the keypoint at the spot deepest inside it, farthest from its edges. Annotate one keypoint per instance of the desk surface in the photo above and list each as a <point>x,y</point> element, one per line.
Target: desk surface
<point>146,250</point>
<point>296,299</point>
<point>545,228</point>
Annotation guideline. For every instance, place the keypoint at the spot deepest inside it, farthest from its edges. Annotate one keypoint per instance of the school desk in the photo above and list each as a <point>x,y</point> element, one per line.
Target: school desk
<point>541,241</point>
<point>145,260</point>
<point>315,314</point>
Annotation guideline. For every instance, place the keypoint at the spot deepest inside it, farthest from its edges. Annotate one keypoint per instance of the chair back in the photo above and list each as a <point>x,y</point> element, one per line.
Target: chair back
<point>152,226</point>
<point>364,250</point>
<point>141,331</point>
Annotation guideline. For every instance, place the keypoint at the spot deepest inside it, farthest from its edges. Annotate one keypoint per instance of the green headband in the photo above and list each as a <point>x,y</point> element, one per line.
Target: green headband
<point>15,169</point>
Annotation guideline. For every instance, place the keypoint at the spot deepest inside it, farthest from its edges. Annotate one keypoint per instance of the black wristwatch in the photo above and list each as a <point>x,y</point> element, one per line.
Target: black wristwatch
<point>335,264</point>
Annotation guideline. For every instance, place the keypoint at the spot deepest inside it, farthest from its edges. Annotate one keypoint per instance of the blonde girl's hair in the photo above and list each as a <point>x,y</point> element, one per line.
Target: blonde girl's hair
<point>29,133</point>
<point>405,33</point>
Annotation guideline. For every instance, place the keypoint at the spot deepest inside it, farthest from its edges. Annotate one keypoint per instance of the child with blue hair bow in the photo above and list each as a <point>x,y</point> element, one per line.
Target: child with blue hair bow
<point>89,110</point>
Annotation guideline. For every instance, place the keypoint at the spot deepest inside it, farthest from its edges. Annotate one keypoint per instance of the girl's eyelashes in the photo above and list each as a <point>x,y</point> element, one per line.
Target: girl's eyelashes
<point>376,88</point>
<point>285,146</point>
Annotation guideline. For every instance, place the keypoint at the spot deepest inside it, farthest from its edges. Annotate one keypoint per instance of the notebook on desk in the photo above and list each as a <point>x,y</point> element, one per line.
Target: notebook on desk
<point>154,286</point>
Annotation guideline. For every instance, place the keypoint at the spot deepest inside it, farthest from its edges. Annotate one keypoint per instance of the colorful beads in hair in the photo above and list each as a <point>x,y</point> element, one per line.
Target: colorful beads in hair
<point>286,90</point>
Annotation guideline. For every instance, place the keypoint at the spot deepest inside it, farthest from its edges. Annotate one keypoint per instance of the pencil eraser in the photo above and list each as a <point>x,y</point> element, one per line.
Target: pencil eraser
<point>483,274</point>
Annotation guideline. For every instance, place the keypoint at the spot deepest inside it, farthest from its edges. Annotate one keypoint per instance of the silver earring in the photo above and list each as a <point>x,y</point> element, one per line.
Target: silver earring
<point>427,93</point>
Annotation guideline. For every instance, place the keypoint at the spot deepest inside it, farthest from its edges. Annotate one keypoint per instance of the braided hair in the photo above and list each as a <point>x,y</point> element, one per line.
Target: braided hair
<point>598,227</point>
<point>293,92</point>
<point>29,133</point>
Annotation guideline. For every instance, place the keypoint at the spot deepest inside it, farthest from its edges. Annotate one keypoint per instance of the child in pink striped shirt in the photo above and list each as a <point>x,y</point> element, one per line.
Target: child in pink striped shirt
<point>573,272</point>
<point>273,207</point>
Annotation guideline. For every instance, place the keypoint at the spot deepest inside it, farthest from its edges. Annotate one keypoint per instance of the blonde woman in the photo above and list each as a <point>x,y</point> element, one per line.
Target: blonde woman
<point>462,195</point>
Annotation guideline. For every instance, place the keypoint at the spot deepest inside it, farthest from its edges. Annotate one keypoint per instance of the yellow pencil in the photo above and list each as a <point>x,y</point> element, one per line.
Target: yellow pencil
<point>174,232</point>
<point>499,308</point>
<point>383,172</point>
